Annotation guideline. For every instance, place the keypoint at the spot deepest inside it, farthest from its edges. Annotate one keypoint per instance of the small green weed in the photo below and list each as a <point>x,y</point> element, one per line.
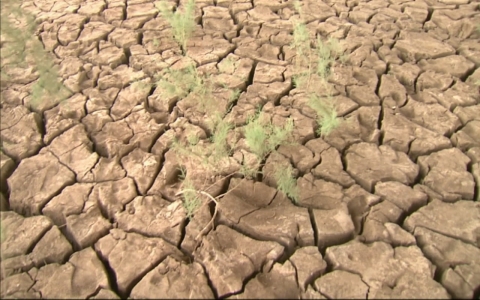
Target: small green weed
<point>205,154</point>
<point>326,114</point>
<point>21,47</point>
<point>286,183</point>
<point>182,22</point>
<point>191,202</point>
<point>316,61</point>
<point>262,137</point>
<point>179,83</point>
<point>326,52</point>
<point>313,61</point>
<point>183,82</point>
<point>219,138</point>
<point>250,171</point>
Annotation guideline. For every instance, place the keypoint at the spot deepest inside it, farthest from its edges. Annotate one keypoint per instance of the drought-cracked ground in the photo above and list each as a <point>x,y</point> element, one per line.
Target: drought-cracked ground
<point>388,204</point>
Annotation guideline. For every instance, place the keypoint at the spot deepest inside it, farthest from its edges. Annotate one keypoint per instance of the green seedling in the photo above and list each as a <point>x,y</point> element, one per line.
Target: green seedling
<point>182,82</point>
<point>250,171</point>
<point>262,137</point>
<point>182,22</point>
<point>179,83</point>
<point>21,47</point>
<point>326,52</point>
<point>207,155</point>
<point>219,139</point>
<point>286,183</point>
<point>191,202</point>
<point>317,61</point>
<point>326,114</point>
<point>301,44</point>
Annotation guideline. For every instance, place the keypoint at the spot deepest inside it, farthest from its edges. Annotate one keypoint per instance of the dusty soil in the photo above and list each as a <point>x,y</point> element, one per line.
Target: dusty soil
<point>389,201</point>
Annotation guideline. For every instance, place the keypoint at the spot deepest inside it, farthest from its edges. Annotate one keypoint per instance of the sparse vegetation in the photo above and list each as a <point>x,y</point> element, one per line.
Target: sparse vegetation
<point>326,114</point>
<point>21,48</point>
<point>187,80</point>
<point>181,21</point>
<point>286,183</point>
<point>181,82</point>
<point>262,137</point>
<point>191,201</point>
<point>219,138</point>
<point>316,61</point>
<point>207,153</point>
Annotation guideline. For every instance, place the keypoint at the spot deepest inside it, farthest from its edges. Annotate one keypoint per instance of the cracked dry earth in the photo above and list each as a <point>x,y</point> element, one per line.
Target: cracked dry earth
<point>388,202</point>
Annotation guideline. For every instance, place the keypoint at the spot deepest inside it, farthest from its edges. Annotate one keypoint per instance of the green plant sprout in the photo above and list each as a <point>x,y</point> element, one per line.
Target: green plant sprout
<point>326,114</point>
<point>250,171</point>
<point>179,83</point>
<point>21,47</point>
<point>183,82</point>
<point>286,183</point>
<point>182,23</point>
<point>206,154</point>
<point>191,202</point>
<point>262,137</point>
<point>301,44</point>
<point>306,58</point>
<point>219,138</point>
<point>302,58</point>
<point>316,61</point>
<point>327,52</point>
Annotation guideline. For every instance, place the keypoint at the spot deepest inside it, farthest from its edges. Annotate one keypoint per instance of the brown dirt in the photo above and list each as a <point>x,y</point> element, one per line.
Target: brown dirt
<point>388,204</point>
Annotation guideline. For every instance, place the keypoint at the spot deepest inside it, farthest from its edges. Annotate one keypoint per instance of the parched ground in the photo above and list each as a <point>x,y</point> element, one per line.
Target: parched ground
<point>388,202</point>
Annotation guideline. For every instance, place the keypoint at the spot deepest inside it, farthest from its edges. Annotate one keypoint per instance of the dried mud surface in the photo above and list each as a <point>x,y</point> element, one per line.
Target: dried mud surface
<point>388,202</point>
